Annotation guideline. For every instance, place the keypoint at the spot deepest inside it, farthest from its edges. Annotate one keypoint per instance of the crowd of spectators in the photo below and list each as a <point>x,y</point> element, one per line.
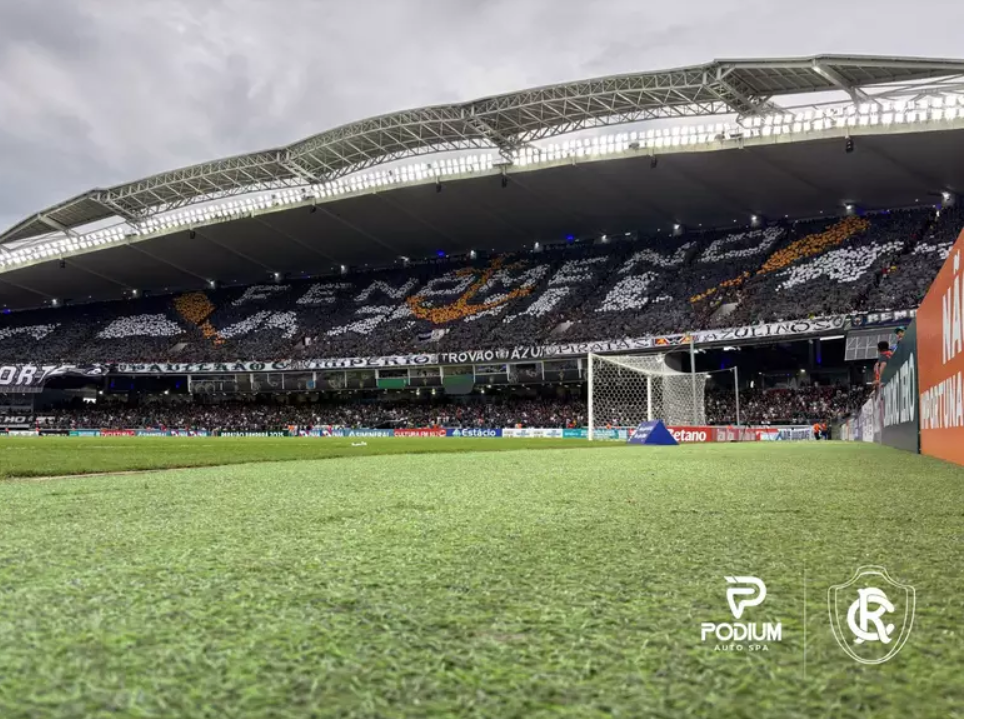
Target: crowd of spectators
<point>904,283</point>
<point>578,292</point>
<point>757,407</point>
<point>803,405</point>
<point>233,413</point>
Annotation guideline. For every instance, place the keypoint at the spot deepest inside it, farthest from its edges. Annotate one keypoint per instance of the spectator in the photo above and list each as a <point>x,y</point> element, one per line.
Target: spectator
<point>630,287</point>
<point>278,411</point>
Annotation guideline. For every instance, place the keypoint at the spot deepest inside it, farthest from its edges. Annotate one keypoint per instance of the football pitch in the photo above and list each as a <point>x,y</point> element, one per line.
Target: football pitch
<point>477,578</point>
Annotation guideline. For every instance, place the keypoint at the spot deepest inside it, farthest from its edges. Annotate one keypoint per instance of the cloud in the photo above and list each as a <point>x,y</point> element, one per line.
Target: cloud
<point>97,92</point>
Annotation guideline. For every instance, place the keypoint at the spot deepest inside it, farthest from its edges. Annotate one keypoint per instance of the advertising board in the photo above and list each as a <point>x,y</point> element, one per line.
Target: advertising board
<point>420,432</point>
<point>899,396</point>
<point>472,432</point>
<point>940,355</point>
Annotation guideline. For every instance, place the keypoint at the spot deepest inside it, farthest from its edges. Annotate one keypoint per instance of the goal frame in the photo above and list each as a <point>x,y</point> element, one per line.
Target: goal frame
<point>695,377</point>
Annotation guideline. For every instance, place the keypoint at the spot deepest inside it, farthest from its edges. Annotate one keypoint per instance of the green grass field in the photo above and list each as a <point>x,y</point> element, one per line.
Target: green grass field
<point>54,456</point>
<point>452,581</point>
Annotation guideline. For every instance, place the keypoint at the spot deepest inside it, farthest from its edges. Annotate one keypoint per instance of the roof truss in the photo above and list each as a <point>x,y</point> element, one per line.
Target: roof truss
<point>505,122</point>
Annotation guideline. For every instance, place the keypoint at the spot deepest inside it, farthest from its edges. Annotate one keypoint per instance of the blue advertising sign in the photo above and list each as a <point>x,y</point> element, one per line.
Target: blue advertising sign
<point>652,432</point>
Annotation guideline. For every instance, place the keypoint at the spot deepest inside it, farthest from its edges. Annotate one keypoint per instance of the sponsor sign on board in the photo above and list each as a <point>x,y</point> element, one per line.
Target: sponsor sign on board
<point>940,356</point>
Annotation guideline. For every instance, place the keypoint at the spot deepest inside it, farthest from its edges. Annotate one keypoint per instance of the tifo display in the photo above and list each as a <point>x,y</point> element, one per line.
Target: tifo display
<point>626,287</point>
<point>918,402</point>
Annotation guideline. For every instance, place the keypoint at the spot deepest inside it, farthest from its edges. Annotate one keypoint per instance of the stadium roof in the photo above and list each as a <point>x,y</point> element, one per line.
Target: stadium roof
<point>504,122</point>
<point>720,188</point>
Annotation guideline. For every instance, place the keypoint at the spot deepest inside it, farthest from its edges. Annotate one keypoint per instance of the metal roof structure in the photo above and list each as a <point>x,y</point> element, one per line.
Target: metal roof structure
<point>707,188</point>
<point>504,122</point>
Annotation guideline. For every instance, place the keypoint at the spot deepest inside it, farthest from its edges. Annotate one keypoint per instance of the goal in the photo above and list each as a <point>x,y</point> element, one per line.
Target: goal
<point>625,390</point>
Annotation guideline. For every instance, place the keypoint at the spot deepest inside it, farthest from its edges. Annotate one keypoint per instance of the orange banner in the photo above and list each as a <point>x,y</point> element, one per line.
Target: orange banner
<point>940,323</point>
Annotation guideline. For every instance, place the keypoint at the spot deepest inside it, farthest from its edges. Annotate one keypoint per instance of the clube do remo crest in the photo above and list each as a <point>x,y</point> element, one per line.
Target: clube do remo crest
<point>871,615</point>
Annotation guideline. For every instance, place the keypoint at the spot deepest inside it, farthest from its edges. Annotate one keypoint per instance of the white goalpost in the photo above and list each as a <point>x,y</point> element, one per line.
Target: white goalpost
<point>625,390</point>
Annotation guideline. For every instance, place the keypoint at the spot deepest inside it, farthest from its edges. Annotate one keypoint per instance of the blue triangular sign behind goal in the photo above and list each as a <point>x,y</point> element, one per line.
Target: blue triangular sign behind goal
<point>652,432</point>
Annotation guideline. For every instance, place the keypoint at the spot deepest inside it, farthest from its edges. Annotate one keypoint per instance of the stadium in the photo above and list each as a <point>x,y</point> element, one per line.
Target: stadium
<point>367,424</point>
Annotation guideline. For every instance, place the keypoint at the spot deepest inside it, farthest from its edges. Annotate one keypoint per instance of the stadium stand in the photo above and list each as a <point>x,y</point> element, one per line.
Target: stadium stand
<point>628,287</point>
<point>180,411</point>
<point>785,405</point>
<point>904,283</point>
<point>757,407</point>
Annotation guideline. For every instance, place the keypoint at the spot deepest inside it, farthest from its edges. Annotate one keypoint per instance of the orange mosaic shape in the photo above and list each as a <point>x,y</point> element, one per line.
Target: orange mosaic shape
<point>195,308</point>
<point>462,307</point>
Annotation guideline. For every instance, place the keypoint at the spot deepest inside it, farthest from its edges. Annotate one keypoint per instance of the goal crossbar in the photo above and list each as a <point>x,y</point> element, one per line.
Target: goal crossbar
<point>626,390</point>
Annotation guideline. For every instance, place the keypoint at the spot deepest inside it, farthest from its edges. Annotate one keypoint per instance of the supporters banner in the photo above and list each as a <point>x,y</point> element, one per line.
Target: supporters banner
<point>26,376</point>
<point>526,352</point>
<point>899,396</point>
<point>472,432</point>
<point>940,350</point>
<point>874,319</point>
<point>521,353</point>
<point>35,375</point>
<point>14,421</point>
<point>768,330</point>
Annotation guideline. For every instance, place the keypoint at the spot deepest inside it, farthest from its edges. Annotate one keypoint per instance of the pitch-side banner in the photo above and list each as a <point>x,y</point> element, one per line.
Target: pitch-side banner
<point>34,375</point>
<point>767,330</point>
<point>940,349</point>
<point>514,354</point>
<point>874,319</point>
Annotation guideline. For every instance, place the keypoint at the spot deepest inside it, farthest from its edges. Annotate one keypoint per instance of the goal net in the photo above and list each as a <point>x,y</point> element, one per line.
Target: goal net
<point>625,390</point>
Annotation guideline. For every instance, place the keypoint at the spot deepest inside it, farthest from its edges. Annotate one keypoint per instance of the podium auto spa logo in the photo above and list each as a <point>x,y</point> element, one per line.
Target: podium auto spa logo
<point>871,615</point>
<point>739,636</point>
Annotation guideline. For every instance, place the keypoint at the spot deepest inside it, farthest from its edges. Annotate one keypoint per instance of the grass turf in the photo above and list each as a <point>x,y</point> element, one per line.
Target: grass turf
<point>561,583</point>
<point>55,456</point>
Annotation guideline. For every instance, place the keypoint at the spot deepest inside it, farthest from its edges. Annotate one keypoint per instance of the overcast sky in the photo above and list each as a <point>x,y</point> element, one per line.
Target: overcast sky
<point>98,92</point>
